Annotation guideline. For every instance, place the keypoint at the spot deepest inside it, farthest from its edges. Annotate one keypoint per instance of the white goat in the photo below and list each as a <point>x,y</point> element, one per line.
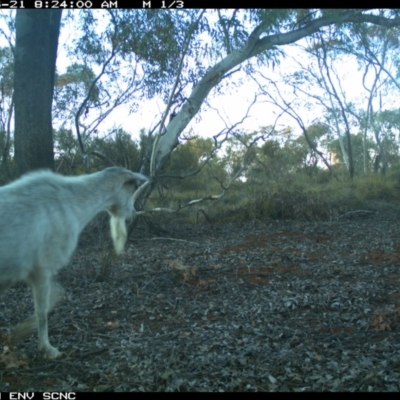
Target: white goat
<point>41,217</point>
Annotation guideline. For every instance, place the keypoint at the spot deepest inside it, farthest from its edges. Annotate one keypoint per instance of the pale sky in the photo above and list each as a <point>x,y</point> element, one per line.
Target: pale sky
<point>233,106</point>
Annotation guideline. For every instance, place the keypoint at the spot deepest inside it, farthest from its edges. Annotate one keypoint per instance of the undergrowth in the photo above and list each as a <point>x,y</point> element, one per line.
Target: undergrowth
<point>294,196</point>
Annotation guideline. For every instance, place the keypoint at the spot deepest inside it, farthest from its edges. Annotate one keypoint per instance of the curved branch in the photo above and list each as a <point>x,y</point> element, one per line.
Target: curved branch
<point>169,103</point>
<point>253,46</point>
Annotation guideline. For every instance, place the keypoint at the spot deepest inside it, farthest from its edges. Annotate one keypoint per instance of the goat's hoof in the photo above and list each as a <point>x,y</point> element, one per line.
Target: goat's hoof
<point>51,352</point>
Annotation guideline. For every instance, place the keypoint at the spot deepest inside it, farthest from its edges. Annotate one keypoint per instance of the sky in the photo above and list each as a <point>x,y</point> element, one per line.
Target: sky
<point>232,106</point>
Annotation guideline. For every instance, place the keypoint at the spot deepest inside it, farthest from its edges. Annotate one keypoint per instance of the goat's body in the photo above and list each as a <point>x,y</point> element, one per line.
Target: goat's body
<point>41,217</point>
<point>29,206</point>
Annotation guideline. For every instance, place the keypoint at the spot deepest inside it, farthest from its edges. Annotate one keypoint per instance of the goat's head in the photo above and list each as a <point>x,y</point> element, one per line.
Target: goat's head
<point>122,210</point>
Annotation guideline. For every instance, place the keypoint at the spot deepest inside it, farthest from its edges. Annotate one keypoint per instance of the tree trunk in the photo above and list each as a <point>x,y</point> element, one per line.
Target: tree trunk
<point>37,34</point>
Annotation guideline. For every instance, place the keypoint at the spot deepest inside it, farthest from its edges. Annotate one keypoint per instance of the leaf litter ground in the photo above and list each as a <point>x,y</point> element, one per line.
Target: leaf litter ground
<point>259,306</point>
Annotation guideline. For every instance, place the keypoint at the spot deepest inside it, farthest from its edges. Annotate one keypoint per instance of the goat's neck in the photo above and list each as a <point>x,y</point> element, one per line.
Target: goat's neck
<point>93,197</point>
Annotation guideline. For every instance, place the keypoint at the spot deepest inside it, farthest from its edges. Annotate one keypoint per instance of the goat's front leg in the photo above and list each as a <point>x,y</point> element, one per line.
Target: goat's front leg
<point>40,283</point>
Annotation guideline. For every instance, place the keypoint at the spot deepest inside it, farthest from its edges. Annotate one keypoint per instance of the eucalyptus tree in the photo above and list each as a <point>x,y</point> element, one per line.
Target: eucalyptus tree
<point>377,53</point>
<point>239,37</point>
<point>6,108</point>
<point>35,55</point>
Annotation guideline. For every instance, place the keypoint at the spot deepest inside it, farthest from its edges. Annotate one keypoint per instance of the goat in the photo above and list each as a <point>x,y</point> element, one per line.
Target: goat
<point>41,217</point>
